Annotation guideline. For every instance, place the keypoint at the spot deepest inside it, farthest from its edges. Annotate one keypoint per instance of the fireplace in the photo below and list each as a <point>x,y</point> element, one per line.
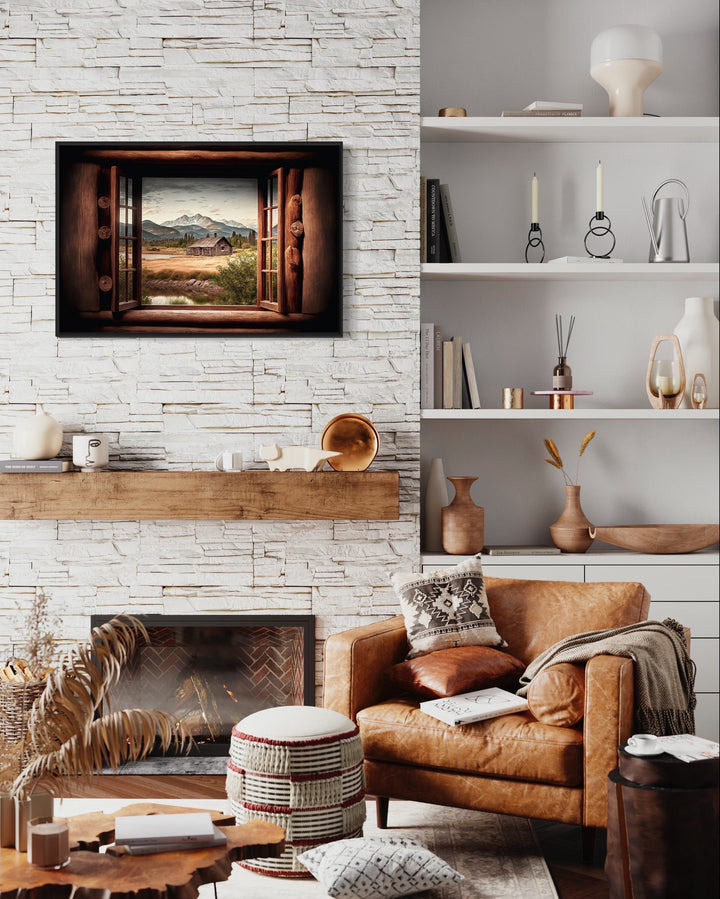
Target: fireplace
<point>212,670</point>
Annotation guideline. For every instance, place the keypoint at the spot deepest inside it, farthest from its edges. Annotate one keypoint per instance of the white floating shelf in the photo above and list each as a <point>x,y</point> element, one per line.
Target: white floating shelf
<point>572,271</point>
<point>581,129</point>
<point>569,414</point>
<point>592,557</point>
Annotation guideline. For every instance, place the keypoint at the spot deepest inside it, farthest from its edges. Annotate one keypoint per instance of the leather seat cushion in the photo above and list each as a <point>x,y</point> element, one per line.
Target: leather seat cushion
<point>512,746</point>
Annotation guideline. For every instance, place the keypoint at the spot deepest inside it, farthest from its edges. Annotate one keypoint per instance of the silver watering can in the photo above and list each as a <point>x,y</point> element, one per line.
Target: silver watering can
<point>668,233</point>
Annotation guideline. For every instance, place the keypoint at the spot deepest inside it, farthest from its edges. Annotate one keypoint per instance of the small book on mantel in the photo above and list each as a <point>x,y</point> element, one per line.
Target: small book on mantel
<point>23,466</point>
<point>475,706</point>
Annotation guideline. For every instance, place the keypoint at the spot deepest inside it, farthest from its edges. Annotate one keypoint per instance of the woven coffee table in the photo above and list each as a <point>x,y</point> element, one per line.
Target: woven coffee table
<point>171,875</point>
<point>300,767</point>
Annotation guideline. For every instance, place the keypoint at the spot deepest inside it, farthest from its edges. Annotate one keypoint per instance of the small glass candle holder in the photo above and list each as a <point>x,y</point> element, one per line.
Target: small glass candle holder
<point>48,842</point>
<point>698,393</point>
<point>665,381</point>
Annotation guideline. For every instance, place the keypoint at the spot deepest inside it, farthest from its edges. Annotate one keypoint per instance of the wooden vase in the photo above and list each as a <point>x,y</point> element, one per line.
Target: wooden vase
<point>463,523</point>
<point>570,533</point>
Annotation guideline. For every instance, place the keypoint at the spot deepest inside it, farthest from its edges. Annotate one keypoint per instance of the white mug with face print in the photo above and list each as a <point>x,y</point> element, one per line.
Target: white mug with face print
<point>90,451</point>
<point>229,462</point>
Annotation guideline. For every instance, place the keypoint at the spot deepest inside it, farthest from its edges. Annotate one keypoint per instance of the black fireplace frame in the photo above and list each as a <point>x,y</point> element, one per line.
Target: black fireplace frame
<point>306,622</point>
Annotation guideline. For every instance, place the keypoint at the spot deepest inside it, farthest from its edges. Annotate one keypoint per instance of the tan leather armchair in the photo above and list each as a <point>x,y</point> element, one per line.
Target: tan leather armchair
<point>514,764</point>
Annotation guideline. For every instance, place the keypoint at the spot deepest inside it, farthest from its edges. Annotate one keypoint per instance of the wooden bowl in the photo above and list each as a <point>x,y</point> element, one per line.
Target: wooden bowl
<point>659,538</point>
<point>355,437</point>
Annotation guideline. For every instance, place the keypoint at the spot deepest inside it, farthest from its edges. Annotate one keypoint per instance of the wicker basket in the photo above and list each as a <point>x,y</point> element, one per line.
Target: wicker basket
<point>16,702</point>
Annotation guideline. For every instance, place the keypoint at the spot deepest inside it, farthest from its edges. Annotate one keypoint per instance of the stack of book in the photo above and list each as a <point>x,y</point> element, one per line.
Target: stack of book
<point>446,367</point>
<point>546,108</point>
<point>147,834</point>
<point>438,235</point>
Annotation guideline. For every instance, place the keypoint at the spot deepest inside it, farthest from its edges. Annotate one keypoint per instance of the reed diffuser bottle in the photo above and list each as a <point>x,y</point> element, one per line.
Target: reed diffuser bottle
<point>562,373</point>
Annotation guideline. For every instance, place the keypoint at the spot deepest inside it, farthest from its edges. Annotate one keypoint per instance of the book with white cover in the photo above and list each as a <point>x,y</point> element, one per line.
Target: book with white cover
<point>478,705</point>
<point>438,368</point>
<point>139,830</point>
<point>521,550</point>
<point>552,104</point>
<point>569,259</point>
<point>470,379</point>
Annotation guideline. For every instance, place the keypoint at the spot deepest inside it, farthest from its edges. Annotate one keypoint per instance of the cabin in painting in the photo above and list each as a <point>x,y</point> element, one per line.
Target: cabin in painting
<point>210,246</point>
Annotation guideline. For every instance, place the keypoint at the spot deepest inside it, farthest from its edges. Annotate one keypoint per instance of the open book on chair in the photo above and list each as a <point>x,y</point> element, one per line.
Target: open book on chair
<point>478,705</point>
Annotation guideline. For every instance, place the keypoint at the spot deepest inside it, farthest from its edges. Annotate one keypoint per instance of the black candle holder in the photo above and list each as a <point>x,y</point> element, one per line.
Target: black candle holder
<point>534,241</point>
<point>601,229</point>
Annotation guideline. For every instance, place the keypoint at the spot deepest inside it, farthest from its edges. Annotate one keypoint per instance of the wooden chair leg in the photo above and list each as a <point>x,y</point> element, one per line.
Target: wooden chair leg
<point>381,811</point>
<point>588,844</point>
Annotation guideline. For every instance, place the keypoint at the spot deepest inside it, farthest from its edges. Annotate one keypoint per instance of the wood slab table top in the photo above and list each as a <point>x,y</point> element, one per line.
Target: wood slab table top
<point>118,875</point>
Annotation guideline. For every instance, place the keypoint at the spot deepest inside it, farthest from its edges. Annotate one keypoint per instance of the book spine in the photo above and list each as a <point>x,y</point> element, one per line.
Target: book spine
<point>457,373</point>
<point>470,379</point>
<point>48,466</point>
<point>423,219</point>
<point>447,374</point>
<point>540,113</point>
<point>438,368</point>
<point>449,220</point>
<point>433,220</point>
<point>427,361</point>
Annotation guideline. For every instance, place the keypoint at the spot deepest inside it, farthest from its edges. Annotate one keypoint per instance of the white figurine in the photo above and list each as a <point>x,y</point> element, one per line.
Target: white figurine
<point>282,458</point>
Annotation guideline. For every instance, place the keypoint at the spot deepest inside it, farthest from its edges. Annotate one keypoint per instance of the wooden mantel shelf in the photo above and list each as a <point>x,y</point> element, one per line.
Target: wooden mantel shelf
<point>194,495</point>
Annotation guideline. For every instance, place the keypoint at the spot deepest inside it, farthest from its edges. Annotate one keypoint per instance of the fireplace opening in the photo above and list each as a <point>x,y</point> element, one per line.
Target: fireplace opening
<point>210,671</point>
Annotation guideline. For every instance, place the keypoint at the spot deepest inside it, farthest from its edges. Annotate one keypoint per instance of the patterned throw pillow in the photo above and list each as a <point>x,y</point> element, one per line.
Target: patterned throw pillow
<point>377,868</point>
<point>446,608</point>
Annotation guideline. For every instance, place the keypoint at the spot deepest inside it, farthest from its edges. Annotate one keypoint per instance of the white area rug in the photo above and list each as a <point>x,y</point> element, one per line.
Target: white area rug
<point>498,854</point>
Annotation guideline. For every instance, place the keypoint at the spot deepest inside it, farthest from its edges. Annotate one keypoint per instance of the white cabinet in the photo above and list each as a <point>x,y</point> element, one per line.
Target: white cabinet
<point>681,587</point>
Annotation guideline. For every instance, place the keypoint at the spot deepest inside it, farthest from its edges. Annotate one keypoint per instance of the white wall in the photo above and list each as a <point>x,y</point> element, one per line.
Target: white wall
<point>207,70</point>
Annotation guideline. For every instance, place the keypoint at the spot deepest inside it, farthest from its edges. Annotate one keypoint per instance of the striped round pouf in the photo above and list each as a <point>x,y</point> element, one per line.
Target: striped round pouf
<point>300,767</point>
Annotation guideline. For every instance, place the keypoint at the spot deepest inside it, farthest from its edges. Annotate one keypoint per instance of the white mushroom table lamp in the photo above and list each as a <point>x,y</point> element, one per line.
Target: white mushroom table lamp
<point>625,60</point>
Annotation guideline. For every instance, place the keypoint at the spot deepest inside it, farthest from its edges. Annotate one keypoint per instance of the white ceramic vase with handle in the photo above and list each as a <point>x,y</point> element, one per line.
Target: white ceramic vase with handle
<point>698,332</point>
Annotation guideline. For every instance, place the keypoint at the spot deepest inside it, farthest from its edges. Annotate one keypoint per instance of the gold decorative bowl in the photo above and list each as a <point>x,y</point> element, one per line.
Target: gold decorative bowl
<point>659,538</point>
<point>355,437</point>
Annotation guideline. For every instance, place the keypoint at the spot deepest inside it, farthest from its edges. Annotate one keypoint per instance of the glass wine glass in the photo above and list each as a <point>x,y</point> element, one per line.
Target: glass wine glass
<point>665,381</point>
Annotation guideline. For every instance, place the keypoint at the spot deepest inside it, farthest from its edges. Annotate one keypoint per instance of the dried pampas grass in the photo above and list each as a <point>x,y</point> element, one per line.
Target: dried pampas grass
<point>73,732</point>
<point>557,462</point>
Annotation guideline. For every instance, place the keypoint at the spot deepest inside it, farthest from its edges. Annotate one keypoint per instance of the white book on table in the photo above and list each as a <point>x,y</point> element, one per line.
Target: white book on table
<point>478,705</point>
<point>140,830</point>
<point>438,367</point>
<point>553,104</point>
<point>447,370</point>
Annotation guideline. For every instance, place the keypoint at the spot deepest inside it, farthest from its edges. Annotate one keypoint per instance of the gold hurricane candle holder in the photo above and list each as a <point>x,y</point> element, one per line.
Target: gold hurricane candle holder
<point>665,382</point>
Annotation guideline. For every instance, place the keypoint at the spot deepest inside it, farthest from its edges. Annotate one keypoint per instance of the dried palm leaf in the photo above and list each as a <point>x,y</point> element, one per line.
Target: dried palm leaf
<point>586,439</point>
<point>121,736</point>
<point>72,730</point>
<point>553,450</point>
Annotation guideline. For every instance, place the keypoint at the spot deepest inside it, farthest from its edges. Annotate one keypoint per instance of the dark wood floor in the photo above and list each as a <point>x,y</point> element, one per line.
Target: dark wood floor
<point>561,843</point>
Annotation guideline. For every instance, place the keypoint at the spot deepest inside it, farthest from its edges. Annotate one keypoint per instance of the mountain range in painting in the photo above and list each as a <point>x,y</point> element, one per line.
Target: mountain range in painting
<point>198,225</point>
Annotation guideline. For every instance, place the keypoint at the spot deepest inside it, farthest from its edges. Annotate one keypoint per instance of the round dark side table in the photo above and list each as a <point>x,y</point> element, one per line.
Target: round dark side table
<point>662,828</point>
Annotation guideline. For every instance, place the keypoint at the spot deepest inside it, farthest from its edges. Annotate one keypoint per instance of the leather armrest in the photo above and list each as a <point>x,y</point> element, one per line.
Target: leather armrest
<point>608,722</point>
<point>356,661</point>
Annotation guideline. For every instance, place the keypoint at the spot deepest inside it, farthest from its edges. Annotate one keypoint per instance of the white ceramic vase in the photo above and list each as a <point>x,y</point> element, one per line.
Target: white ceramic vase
<point>39,437</point>
<point>436,497</point>
<point>698,332</point>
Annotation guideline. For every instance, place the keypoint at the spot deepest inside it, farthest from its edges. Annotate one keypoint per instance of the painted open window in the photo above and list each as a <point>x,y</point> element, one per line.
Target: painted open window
<point>220,238</point>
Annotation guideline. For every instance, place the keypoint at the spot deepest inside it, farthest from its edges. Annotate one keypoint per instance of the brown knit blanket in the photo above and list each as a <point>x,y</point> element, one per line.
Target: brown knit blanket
<point>664,672</point>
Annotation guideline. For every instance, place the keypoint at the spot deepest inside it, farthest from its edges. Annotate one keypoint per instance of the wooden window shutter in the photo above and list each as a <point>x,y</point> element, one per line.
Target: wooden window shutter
<point>271,246</point>
<point>125,241</point>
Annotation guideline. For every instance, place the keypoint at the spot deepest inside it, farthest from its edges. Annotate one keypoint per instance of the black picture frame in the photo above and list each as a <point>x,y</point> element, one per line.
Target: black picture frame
<point>101,237</point>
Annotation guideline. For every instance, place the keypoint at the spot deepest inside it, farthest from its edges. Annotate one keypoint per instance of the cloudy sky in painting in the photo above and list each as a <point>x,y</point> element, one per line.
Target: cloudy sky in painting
<point>222,199</point>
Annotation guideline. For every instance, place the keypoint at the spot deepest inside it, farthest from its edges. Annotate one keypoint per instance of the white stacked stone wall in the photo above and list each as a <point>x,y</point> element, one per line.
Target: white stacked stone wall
<point>227,70</point>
